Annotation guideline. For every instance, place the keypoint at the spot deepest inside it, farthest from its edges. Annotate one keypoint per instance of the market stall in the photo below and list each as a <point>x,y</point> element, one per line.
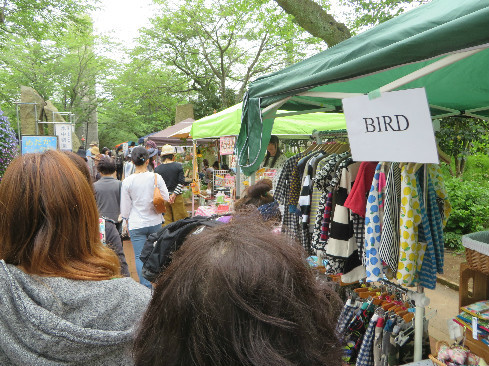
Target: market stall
<point>225,125</point>
<point>441,47</point>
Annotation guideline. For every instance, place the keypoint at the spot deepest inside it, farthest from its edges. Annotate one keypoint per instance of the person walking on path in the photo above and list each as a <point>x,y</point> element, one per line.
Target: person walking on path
<point>119,161</point>
<point>137,205</point>
<point>63,300</point>
<point>172,174</point>
<point>108,196</point>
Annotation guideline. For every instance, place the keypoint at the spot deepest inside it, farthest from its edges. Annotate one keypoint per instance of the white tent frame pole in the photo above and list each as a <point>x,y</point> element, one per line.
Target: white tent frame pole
<point>428,69</point>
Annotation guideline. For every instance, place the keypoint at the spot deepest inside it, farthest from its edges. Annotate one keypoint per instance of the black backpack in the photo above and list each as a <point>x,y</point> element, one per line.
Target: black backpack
<point>159,247</point>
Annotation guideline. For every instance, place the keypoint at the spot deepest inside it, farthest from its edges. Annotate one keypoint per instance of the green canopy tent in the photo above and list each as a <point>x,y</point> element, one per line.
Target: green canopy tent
<point>441,46</point>
<point>228,123</point>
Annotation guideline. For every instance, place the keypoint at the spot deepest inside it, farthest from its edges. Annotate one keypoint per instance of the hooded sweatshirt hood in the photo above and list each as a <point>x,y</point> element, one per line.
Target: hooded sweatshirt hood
<point>58,321</point>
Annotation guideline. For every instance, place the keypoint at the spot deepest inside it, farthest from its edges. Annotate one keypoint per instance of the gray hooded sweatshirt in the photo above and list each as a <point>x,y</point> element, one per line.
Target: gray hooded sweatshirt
<point>56,321</point>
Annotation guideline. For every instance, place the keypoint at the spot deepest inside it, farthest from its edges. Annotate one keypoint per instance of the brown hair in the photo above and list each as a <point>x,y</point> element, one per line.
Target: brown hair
<point>49,220</point>
<point>238,295</point>
<point>256,195</point>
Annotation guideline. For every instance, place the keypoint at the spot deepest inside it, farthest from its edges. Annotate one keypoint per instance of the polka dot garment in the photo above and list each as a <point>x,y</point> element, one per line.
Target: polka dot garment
<point>374,267</point>
<point>411,252</point>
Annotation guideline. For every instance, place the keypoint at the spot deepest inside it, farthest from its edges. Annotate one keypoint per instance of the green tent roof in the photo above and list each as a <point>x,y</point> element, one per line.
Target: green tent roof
<point>442,46</point>
<point>228,123</point>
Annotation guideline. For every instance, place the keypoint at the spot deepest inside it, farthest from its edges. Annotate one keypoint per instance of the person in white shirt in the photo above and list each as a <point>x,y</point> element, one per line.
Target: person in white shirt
<point>137,205</point>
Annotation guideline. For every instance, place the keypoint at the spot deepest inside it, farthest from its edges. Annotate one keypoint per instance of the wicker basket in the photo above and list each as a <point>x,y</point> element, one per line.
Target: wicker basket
<point>433,359</point>
<point>477,251</point>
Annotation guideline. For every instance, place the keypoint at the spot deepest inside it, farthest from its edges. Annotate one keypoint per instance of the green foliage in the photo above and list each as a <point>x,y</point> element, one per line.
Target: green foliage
<point>220,49</point>
<point>470,205</point>
<point>453,241</point>
<point>143,98</point>
<point>362,14</point>
<point>40,18</point>
<point>461,137</point>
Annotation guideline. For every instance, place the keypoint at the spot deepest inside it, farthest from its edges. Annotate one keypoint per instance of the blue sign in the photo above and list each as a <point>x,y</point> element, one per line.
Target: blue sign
<point>37,144</point>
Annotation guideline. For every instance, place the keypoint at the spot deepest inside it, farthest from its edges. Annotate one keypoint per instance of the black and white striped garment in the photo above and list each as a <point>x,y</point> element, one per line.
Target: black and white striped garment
<point>390,240</point>
<point>342,247</point>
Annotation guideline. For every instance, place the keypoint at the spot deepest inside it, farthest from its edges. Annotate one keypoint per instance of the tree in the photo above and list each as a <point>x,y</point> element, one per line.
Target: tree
<point>362,14</point>
<point>314,19</point>
<point>226,46</point>
<point>34,19</point>
<point>141,99</point>
<point>64,70</point>
<point>460,137</point>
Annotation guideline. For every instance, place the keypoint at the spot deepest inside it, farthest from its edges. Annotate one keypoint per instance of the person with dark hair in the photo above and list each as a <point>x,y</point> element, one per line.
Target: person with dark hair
<point>274,158</point>
<point>236,295</point>
<point>172,174</point>
<point>137,204</point>
<point>258,195</point>
<point>112,236</point>
<point>108,190</point>
<point>63,301</point>
<point>119,161</point>
<point>215,166</point>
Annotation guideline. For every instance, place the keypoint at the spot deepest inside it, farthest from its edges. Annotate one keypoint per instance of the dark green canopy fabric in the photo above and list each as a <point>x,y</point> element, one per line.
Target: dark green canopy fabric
<point>442,31</point>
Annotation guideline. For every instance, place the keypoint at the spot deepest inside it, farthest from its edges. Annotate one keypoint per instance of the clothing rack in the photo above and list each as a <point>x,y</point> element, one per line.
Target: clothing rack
<point>318,136</point>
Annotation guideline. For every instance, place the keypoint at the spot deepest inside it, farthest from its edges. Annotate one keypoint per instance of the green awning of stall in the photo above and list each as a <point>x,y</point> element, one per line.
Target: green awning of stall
<point>228,123</point>
<point>441,46</point>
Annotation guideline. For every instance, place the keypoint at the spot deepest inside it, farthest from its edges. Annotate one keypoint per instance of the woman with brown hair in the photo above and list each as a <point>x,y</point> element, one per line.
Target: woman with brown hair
<point>237,295</point>
<point>258,195</point>
<point>63,299</point>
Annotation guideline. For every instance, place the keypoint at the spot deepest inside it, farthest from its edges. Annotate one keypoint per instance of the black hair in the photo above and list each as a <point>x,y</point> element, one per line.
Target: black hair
<point>216,165</point>
<point>132,143</point>
<point>168,156</point>
<point>139,155</point>
<point>273,140</point>
<point>106,165</point>
<point>119,148</point>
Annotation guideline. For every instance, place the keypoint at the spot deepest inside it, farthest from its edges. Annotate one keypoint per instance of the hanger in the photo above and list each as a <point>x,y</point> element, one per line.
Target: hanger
<point>310,148</point>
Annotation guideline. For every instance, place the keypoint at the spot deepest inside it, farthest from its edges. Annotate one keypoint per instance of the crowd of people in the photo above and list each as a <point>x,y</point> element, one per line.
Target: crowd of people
<point>233,294</point>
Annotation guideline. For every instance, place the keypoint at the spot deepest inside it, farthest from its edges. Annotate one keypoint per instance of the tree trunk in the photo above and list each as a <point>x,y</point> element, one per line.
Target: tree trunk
<point>314,19</point>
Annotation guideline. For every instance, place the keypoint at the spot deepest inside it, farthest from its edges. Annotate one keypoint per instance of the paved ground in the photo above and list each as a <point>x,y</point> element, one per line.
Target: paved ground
<point>443,300</point>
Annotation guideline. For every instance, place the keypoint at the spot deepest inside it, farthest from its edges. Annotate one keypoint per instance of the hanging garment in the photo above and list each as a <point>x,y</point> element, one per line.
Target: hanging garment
<point>379,329</point>
<point>410,251</point>
<point>316,193</point>
<point>322,181</point>
<point>390,349</point>
<point>357,199</point>
<point>389,240</point>
<point>282,194</point>
<point>355,332</point>
<point>439,186</point>
<point>431,233</point>
<point>435,217</point>
<point>366,353</point>
<point>342,249</point>
<point>374,268</point>
<point>326,219</point>
<point>345,318</point>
